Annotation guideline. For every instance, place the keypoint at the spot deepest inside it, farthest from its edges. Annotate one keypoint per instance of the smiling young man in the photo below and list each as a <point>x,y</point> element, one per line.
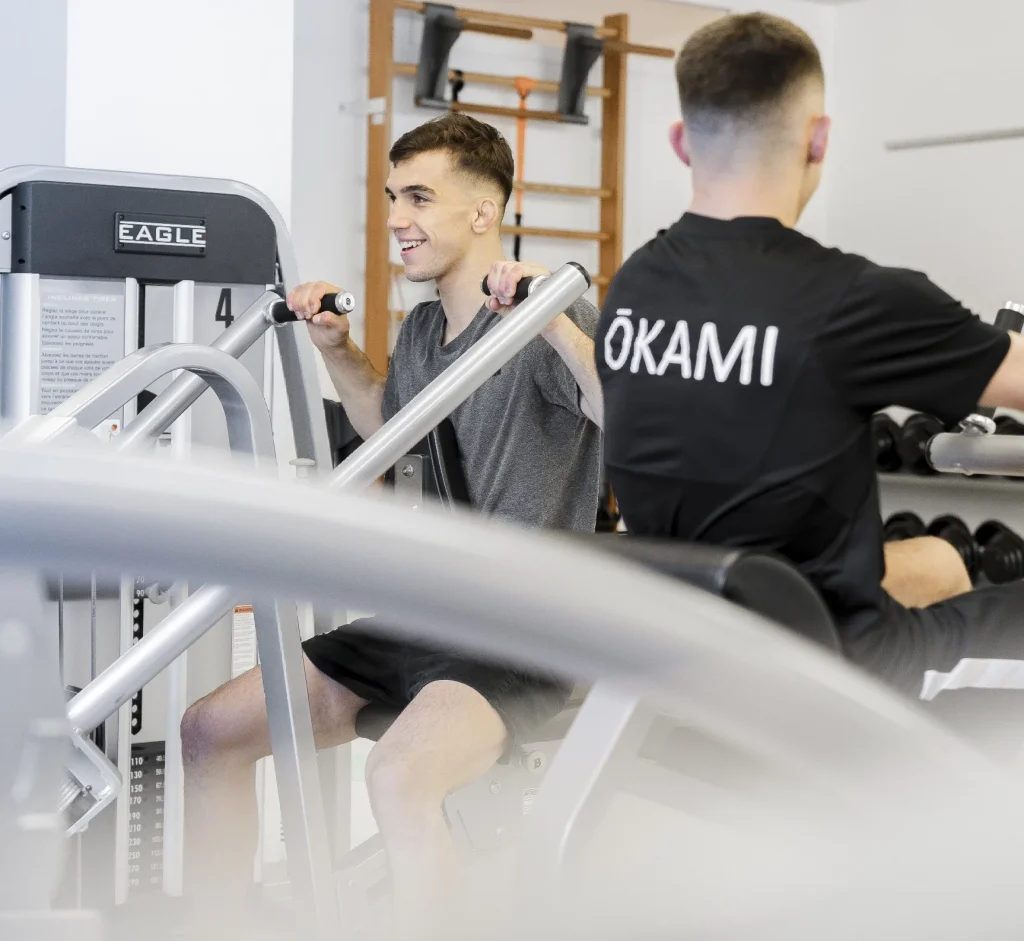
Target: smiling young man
<point>741,362</point>
<point>530,447</point>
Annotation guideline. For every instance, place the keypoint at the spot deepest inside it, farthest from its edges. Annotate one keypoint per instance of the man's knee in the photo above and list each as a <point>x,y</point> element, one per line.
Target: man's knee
<point>198,735</point>
<point>218,728</point>
<point>401,784</point>
<point>924,571</point>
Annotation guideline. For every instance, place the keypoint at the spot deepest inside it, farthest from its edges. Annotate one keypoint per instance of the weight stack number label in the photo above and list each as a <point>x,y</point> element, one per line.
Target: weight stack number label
<point>146,818</point>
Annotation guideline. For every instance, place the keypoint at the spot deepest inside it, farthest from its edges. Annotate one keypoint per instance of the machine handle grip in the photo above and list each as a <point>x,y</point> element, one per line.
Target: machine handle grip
<point>1011,318</point>
<point>341,303</point>
<point>523,288</point>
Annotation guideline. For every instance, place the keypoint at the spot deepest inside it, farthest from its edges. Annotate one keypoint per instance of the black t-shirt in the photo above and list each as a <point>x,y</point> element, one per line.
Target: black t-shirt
<point>741,363</point>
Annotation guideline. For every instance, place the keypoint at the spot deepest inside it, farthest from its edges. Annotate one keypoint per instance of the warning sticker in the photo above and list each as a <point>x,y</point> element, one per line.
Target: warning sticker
<point>528,797</point>
<point>243,640</point>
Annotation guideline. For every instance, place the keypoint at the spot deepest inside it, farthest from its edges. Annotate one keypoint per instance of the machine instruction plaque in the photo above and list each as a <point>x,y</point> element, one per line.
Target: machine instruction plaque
<point>82,335</point>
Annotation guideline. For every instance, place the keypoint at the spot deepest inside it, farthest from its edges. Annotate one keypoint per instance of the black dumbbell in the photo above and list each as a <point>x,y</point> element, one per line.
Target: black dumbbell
<point>902,526</point>
<point>1002,552</point>
<point>956,532</point>
<point>886,435</point>
<point>915,434</point>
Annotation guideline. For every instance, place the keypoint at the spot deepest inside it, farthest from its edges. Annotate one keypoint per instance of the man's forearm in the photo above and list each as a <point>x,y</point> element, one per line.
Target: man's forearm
<point>577,352</point>
<point>360,387</point>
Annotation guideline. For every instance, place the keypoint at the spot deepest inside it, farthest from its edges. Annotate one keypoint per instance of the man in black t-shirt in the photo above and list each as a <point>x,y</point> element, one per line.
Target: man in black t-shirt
<point>741,361</point>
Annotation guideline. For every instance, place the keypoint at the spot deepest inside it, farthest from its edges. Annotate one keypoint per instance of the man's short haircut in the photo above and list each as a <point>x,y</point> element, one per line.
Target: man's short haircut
<point>476,148</point>
<point>738,71</point>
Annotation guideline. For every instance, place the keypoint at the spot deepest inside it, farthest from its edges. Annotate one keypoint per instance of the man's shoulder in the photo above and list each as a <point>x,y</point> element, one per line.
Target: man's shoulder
<point>896,285</point>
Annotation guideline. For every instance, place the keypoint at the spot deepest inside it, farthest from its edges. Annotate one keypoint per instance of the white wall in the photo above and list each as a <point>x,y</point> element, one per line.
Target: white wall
<point>953,211</point>
<point>329,143</point>
<point>193,87</point>
<point>32,76</point>
<point>186,87</point>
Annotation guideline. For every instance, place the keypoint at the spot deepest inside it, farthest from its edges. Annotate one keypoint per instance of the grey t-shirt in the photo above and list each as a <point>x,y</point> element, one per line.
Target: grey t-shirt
<point>529,454</point>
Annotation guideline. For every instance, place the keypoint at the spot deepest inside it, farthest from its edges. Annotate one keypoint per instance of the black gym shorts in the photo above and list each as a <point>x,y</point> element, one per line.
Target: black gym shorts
<point>391,671</point>
<point>906,643</point>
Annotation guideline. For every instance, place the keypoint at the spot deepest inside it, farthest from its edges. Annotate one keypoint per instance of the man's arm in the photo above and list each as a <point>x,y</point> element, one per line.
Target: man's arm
<point>575,348</point>
<point>360,387</point>
<point>577,352</point>
<point>898,339</point>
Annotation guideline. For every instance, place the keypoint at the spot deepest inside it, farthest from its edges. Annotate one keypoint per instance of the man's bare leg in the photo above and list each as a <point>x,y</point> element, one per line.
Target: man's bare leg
<point>223,735</point>
<point>448,736</point>
<point>924,571</point>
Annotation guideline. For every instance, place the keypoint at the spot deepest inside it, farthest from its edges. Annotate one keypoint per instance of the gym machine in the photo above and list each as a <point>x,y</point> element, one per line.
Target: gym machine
<point>93,782</point>
<point>833,809</point>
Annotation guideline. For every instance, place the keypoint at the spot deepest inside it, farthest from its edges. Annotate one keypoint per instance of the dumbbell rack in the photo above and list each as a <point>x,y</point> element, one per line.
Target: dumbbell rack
<point>974,499</point>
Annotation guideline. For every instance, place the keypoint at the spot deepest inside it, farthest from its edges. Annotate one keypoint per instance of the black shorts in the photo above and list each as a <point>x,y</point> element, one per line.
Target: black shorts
<point>390,670</point>
<point>921,649</point>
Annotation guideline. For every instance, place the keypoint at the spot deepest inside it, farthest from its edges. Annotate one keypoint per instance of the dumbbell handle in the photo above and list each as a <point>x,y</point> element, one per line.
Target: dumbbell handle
<point>340,303</point>
<point>523,289</point>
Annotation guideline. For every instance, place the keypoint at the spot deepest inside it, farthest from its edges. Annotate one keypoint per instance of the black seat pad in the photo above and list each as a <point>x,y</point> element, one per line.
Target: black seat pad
<point>759,581</point>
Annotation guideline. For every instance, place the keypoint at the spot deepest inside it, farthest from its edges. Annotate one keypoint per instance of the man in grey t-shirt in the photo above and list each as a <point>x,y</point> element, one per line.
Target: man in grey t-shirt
<point>530,445</point>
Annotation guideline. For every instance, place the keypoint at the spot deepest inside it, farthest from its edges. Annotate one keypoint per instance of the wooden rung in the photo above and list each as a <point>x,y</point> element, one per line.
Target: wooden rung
<point>530,113</point>
<point>534,232</point>
<point>505,19</point>
<point>507,32</point>
<point>659,52</point>
<point>557,189</point>
<point>501,81</point>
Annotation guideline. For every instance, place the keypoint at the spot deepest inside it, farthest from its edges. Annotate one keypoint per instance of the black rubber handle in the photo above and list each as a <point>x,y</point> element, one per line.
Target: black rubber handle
<point>340,303</point>
<point>522,289</point>
<point>1012,321</point>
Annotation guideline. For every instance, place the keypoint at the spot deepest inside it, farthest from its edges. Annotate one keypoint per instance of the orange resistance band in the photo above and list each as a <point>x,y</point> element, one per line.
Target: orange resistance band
<point>524,86</point>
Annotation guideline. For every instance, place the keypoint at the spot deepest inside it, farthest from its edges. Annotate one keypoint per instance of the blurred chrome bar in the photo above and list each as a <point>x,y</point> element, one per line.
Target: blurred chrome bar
<point>997,455</point>
<point>523,597</point>
<point>460,380</point>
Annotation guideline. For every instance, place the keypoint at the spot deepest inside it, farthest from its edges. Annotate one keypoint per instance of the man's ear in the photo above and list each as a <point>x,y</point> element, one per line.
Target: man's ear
<point>818,147</point>
<point>487,215</point>
<point>680,144</point>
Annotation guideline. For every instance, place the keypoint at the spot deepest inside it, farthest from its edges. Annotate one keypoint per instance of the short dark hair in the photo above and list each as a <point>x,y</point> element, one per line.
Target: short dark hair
<point>741,68</point>
<point>475,147</point>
